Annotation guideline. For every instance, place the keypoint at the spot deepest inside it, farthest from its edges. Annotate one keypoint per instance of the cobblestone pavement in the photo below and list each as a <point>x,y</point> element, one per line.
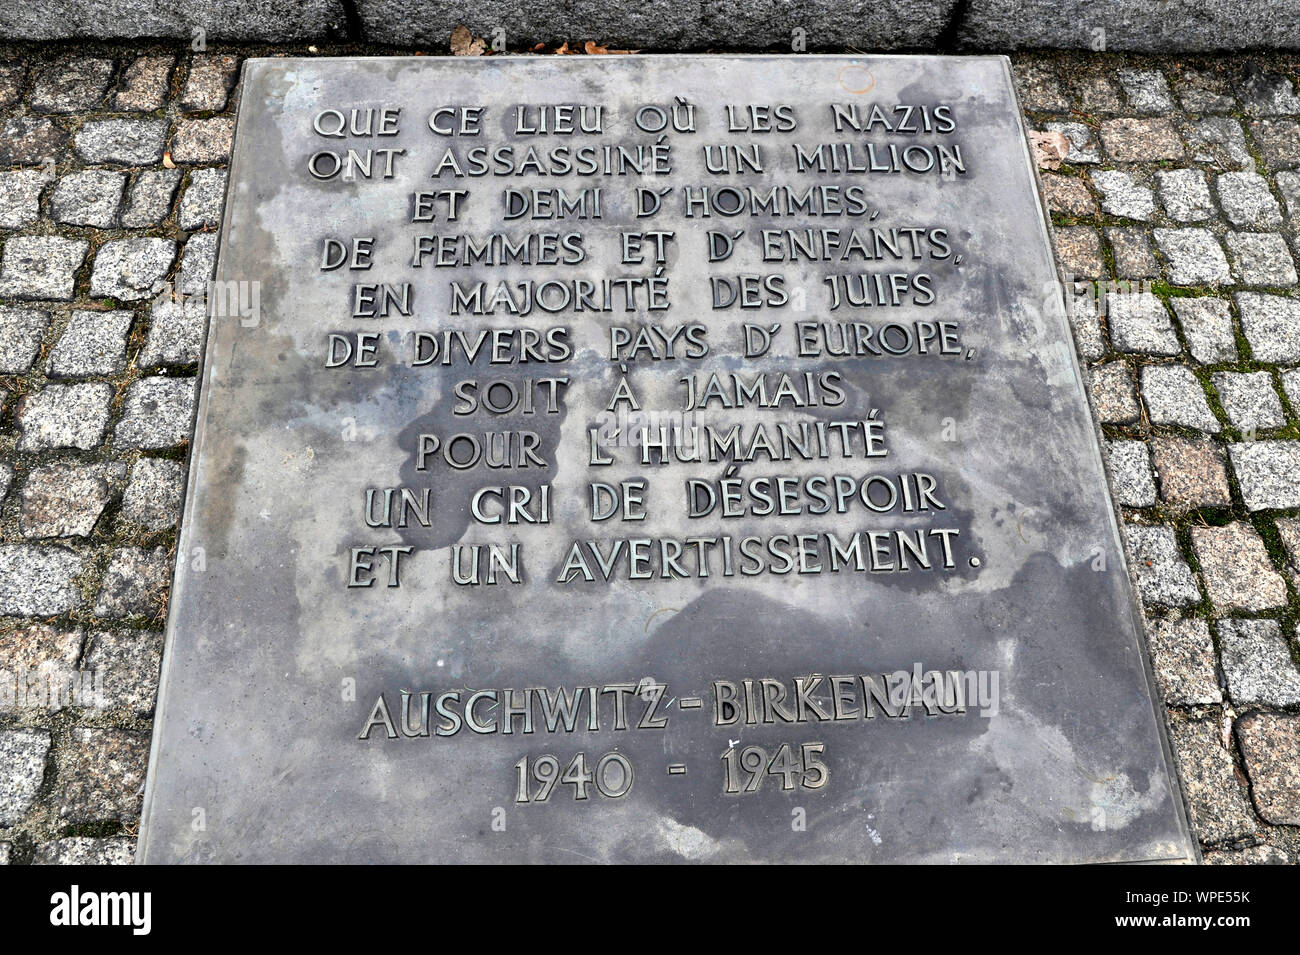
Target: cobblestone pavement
<point>1175,210</point>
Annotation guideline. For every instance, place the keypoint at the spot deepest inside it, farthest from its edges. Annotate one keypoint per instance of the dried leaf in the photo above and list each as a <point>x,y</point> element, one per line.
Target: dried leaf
<point>563,50</point>
<point>463,43</point>
<point>167,160</point>
<point>1050,149</point>
<point>595,49</point>
<point>540,46</point>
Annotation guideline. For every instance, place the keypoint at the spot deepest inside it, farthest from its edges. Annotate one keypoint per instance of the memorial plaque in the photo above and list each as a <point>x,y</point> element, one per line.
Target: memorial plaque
<point>646,459</point>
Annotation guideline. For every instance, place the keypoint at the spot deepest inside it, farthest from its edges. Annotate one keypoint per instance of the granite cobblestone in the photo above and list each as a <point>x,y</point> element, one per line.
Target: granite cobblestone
<point>97,384</point>
<point>1185,178</point>
<point>1177,176</point>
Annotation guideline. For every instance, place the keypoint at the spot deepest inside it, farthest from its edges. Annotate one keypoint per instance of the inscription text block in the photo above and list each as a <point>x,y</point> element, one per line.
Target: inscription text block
<point>646,459</point>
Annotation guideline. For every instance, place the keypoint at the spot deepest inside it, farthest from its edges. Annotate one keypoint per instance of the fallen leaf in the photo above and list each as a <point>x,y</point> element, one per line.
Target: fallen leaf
<point>167,160</point>
<point>463,43</point>
<point>540,46</point>
<point>595,49</point>
<point>1050,149</point>
<point>563,50</point>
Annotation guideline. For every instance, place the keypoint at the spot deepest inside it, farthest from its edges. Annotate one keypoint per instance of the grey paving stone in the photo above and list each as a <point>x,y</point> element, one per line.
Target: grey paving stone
<point>125,142</point>
<point>1097,91</point>
<point>1291,387</point>
<point>1219,808</point>
<point>1078,248</point>
<point>1192,472</point>
<point>1039,87</point>
<point>1288,183</point>
<point>1278,141</point>
<point>101,774</point>
<point>131,269</point>
<point>65,416</point>
<point>1084,312</point>
<point>12,76</point>
<point>1194,256</point>
<point>1249,400</point>
<point>1122,195</point>
<point>657,24</point>
<point>1139,322</point>
<point>129,662</point>
<point>84,850</point>
<point>1065,195</point>
<point>1132,251</point>
<point>198,264</point>
<point>40,647</point>
<point>144,85</point>
<point>39,673</point>
<point>1261,258</point>
<point>1182,658</point>
<point>1163,577</point>
<point>6,473</point>
<point>20,197</point>
<point>66,500</point>
<point>1131,480</point>
<point>1141,140</point>
<point>93,343</point>
<point>6,850</point>
<point>1147,91</point>
<point>88,198</point>
<point>1251,855</point>
<point>1083,145</point>
<point>1236,569</point>
<point>41,267</point>
<point>153,498</point>
<point>1174,396</point>
<point>202,202</point>
<point>175,332</point>
<point>37,581</point>
<point>270,21</point>
<point>1270,748</point>
<point>72,85</point>
<point>1114,393</point>
<point>135,583</point>
<point>158,413</point>
<point>151,197</point>
<point>1268,473</point>
<point>1220,141</point>
<point>1247,201</point>
<point>1201,91</point>
<point>208,84</point>
<point>203,140</point>
<point>30,140</point>
<point>1264,93</point>
<point>1257,663</point>
<point>22,768</point>
<point>1271,323</point>
<point>1207,326</point>
<point>21,331</point>
<point>1185,194</point>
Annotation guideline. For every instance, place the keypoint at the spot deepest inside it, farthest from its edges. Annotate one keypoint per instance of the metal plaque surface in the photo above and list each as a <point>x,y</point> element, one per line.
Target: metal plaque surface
<point>628,458</point>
